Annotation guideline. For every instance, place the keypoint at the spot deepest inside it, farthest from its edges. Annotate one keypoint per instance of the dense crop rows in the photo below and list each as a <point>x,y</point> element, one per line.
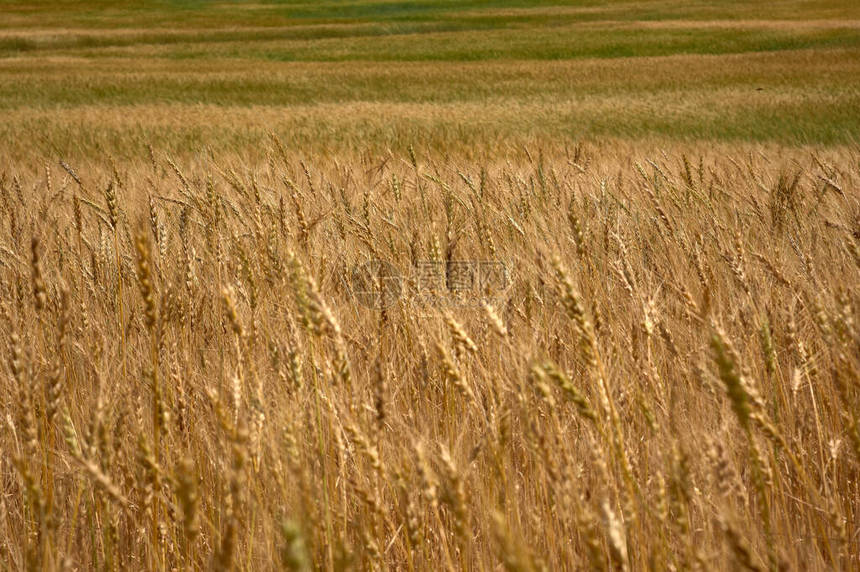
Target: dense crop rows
<point>562,359</point>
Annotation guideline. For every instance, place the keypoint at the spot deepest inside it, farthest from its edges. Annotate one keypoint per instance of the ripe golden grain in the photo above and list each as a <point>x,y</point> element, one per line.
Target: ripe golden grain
<point>667,378</point>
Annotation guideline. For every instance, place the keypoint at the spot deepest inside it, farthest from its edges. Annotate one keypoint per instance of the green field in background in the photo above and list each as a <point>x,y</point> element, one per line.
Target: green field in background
<point>82,76</point>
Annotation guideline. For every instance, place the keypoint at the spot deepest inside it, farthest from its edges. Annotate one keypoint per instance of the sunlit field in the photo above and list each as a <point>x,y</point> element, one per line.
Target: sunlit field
<point>430,285</point>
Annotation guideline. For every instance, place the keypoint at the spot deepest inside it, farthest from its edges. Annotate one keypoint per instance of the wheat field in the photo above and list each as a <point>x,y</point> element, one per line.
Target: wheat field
<point>393,317</point>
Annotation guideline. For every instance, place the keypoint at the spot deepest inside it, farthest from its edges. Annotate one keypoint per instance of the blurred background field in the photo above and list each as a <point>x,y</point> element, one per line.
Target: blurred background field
<point>78,78</point>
